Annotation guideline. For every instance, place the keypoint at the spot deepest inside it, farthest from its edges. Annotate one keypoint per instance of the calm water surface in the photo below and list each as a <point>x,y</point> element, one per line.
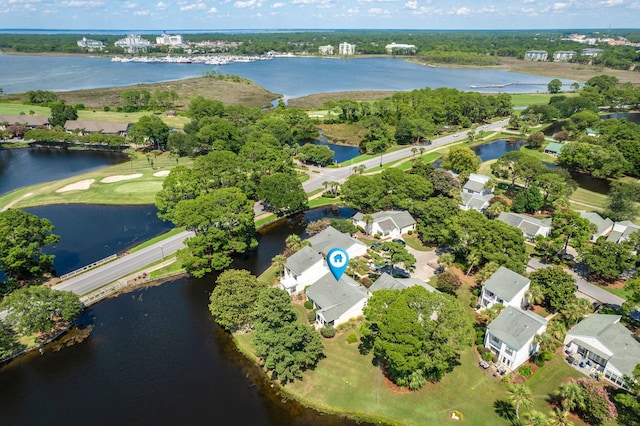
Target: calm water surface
<point>24,167</point>
<point>154,356</point>
<point>290,77</point>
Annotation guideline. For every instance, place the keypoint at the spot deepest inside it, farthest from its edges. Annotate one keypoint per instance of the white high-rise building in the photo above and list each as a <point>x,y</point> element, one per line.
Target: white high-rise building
<point>346,49</point>
<point>169,40</point>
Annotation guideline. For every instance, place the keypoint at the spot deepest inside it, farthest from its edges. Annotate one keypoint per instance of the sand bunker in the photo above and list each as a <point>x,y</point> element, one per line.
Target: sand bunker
<point>118,178</point>
<point>78,186</point>
<point>162,173</point>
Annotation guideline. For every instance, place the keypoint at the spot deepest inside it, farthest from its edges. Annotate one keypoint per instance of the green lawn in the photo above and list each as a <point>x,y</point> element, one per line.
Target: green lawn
<point>415,243</point>
<point>526,99</point>
<point>159,238</point>
<point>17,109</point>
<point>167,270</point>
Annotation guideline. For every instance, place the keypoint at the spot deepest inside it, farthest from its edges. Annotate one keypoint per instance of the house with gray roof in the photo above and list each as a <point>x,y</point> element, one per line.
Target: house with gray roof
<point>30,121</point>
<point>388,223</point>
<point>511,336</point>
<point>387,282</point>
<point>337,301</point>
<point>330,238</point>
<point>302,269</point>
<point>475,202</point>
<point>477,184</point>
<point>604,226</point>
<point>608,346</point>
<point>505,287</point>
<point>622,230</point>
<point>530,226</point>
<point>85,127</point>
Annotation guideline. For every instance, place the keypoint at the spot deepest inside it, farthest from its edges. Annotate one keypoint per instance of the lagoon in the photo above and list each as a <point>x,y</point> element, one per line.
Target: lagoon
<point>289,76</point>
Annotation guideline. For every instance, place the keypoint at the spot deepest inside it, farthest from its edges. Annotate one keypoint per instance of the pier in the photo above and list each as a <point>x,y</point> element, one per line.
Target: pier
<point>517,83</point>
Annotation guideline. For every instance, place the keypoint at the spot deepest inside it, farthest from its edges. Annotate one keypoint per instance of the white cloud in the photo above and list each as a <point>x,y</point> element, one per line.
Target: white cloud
<point>130,5</point>
<point>194,6</point>
<point>411,4</point>
<point>612,2</point>
<point>465,11</point>
<point>212,10</point>
<point>78,3</point>
<point>560,6</point>
<point>142,13</point>
<point>249,4</point>
<point>278,5</point>
<point>161,5</point>
<point>378,11</point>
<point>353,11</point>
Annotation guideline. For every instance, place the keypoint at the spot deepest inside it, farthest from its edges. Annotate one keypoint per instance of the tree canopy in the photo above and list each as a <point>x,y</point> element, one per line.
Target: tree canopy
<point>233,300</point>
<point>418,335</point>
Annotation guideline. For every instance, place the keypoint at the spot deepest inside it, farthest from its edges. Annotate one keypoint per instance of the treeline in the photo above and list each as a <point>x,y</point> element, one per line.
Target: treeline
<point>459,47</point>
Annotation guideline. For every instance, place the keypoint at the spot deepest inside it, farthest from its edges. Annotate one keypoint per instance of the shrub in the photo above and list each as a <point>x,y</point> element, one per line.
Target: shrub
<point>410,232</point>
<point>539,362</point>
<point>479,340</point>
<point>488,356</point>
<point>106,109</point>
<point>361,229</point>
<point>480,347</point>
<point>311,316</point>
<point>448,282</point>
<point>352,338</point>
<point>525,371</point>
<point>376,236</point>
<point>328,331</point>
<point>546,356</point>
<point>308,304</point>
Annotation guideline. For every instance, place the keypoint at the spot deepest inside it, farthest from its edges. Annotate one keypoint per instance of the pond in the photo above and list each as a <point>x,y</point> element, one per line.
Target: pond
<point>29,166</point>
<point>341,152</point>
<point>154,356</point>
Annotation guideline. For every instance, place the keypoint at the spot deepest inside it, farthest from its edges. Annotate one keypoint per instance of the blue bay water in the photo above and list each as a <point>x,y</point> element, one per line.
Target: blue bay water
<point>290,77</point>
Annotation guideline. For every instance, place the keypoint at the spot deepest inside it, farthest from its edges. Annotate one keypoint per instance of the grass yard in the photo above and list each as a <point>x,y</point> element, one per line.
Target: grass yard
<point>416,244</point>
<point>172,268</point>
<point>159,238</point>
<point>17,109</point>
<point>583,199</point>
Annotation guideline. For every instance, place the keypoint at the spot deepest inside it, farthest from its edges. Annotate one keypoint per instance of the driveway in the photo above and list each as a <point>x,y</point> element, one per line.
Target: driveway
<point>426,263</point>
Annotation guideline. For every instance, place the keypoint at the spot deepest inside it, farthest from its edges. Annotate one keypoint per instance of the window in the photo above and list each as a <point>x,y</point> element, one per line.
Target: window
<point>508,350</point>
<point>495,340</point>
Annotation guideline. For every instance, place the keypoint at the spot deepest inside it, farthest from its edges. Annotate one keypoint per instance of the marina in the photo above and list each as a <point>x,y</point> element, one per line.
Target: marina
<point>206,60</point>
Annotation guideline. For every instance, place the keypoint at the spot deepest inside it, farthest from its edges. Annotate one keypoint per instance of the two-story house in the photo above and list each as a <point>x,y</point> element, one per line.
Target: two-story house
<point>530,226</point>
<point>505,287</point>
<point>476,193</point>
<point>302,269</point>
<point>511,336</point>
<point>387,224</point>
<point>603,225</point>
<point>337,301</point>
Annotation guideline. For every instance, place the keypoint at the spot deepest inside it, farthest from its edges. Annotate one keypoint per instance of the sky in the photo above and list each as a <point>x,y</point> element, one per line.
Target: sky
<point>318,14</point>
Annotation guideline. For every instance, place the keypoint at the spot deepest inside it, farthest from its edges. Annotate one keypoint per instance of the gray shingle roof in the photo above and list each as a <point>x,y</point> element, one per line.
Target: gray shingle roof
<point>303,259</point>
<point>330,238</point>
<point>29,120</point>
<point>505,283</point>
<point>96,126</point>
<point>387,282</point>
<point>475,201</point>
<point>515,327</point>
<point>334,298</point>
<point>622,231</point>
<point>597,220</point>
<point>401,218</point>
<point>527,224</point>
<point>614,336</point>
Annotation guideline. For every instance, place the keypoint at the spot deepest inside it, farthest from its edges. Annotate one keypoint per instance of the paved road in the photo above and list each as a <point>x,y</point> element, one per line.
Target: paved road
<point>340,174</point>
<point>109,272</point>
<point>105,274</point>
<point>590,290</point>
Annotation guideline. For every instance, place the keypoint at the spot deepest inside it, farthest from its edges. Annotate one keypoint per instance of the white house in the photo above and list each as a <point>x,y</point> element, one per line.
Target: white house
<point>476,194</point>
<point>330,238</point>
<point>536,55</point>
<point>530,226</point>
<point>337,301</point>
<point>604,226</point>
<point>325,50</point>
<point>346,49</point>
<point>506,287</point>
<point>387,224</point>
<point>90,44</point>
<point>606,345</point>
<point>622,230</point>
<point>511,336</point>
<point>302,269</point>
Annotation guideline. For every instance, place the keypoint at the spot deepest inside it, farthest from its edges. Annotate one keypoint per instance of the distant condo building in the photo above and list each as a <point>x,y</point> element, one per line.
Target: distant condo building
<point>346,49</point>
<point>536,55</point>
<point>590,52</point>
<point>401,49</point>
<point>169,40</point>
<point>563,55</point>
<point>325,50</point>
<point>90,44</point>
<point>133,43</point>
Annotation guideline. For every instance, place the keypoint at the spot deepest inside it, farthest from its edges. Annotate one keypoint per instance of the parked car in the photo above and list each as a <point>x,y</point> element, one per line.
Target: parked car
<point>400,241</point>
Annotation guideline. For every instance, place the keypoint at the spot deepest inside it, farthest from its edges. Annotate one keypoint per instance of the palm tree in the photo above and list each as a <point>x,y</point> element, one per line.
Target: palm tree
<point>571,397</point>
<point>545,340</point>
<point>359,169</point>
<point>535,418</point>
<point>557,330</point>
<point>368,220</point>
<point>278,262</point>
<point>520,396</point>
<point>559,418</point>
<point>445,260</point>
<point>535,294</point>
<point>575,310</point>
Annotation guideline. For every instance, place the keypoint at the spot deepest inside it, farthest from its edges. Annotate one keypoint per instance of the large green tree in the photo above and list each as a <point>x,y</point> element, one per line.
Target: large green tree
<point>24,236</point>
<point>461,159</point>
<point>608,260</point>
<point>233,300</point>
<point>149,130</point>
<point>223,221</point>
<point>285,347</point>
<point>37,308</point>
<point>283,192</point>
<point>61,113</point>
<point>418,335</point>
<point>558,286</point>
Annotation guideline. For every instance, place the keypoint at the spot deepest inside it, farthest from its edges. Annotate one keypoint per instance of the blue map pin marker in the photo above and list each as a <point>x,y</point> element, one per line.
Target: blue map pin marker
<point>338,259</point>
